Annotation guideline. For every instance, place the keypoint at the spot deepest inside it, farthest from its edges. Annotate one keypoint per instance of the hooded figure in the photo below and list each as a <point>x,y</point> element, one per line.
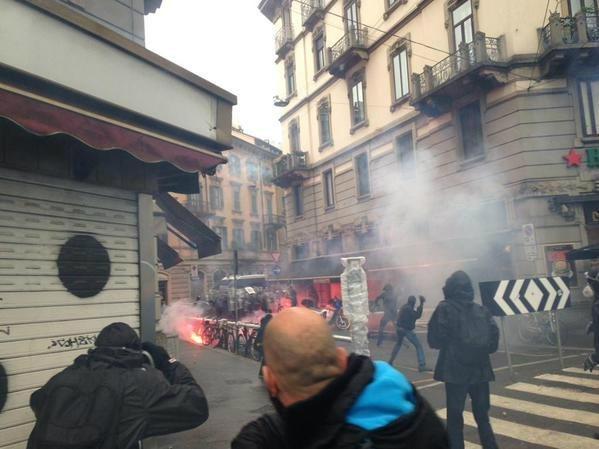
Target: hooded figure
<point>390,304</point>
<point>152,394</point>
<point>465,333</point>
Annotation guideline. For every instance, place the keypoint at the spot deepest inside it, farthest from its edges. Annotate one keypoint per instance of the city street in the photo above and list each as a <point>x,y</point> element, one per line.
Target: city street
<point>559,406</point>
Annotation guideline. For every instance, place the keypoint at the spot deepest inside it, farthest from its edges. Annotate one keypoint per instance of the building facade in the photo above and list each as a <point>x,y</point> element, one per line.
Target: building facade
<point>94,129</point>
<point>434,135</point>
<point>242,205</point>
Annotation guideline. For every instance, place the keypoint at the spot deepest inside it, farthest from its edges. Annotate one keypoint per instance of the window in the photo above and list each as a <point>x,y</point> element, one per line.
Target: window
<point>589,106</point>
<point>352,19</point>
<point>256,240</point>
<point>358,111</point>
<point>319,51</point>
<point>329,189</point>
<point>334,245</point>
<point>254,201</point>
<point>294,136</point>
<point>362,175</point>
<point>236,198</point>
<point>267,174</point>
<point>271,240</point>
<point>368,239</point>
<point>405,152</point>
<point>221,231</point>
<point>238,239</point>
<point>252,170</point>
<point>301,251</point>
<point>234,166</point>
<point>472,130</point>
<point>269,204</point>
<point>298,200</point>
<point>401,79</point>
<point>324,123</point>
<point>290,76</point>
<point>576,6</point>
<point>463,25</point>
<point>216,198</point>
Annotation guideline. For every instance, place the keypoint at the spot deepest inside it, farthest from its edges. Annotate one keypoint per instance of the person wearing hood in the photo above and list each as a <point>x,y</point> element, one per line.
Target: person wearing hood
<point>118,394</point>
<point>592,291</point>
<point>406,323</point>
<point>325,398</point>
<point>390,305</point>
<point>466,334</point>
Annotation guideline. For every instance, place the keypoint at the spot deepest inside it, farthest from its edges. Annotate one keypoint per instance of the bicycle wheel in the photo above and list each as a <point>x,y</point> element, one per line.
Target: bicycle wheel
<point>255,353</point>
<point>243,349</point>
<point>231,343</point>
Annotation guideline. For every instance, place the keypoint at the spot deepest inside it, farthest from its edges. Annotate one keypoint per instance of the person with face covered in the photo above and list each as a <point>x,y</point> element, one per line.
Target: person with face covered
<point>390,304</point>
<point>466,334</point>
<point>592,291</point>
<point>325,398</point>
<point>406,323</point>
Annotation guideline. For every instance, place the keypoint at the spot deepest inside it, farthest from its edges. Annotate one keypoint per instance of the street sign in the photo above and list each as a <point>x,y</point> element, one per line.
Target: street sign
<point>276,270</point>
<point>528,234</point>
<point>531,253</point>
<point>275,257</point>
<point>521,296</point>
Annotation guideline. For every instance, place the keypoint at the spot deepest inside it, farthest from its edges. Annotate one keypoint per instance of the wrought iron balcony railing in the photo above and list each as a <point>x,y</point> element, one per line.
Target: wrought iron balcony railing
<point>354,38</point>
<point>312,12</point>
<point>283,39</point>
<point>198,207</point>
<point>482,51</point>
<point>564,31</point>
<point>274,221</point>
<point>291,162</point>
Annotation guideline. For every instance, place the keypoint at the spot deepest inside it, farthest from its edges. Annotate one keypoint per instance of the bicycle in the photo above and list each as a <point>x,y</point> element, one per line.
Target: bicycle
<point>540,327</point>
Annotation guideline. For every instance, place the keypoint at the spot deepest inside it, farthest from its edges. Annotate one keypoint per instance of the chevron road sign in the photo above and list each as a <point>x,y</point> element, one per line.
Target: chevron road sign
<point>516,297</point>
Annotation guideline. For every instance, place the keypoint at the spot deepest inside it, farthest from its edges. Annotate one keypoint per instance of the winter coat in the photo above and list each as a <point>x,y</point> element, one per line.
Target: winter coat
<point>370,405</point>
<point>408,316</point>
<point>153,402</point>
<point>443,335</point>
<point>595,327</point>
<point>390,304</point>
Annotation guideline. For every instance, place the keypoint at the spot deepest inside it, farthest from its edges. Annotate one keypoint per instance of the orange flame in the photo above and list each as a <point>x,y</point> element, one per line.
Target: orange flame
<point>197,339</point>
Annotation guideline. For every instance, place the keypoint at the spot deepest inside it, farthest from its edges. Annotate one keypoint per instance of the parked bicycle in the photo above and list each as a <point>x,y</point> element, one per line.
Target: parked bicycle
<point>541,327</point>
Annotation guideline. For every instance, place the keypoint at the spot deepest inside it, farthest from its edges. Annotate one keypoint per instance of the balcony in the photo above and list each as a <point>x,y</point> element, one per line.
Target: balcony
<point>312,13</point>
<point>284,41</point>
<point>198,207</point>
<point>569,42</point>
<point>348,51</point>
<point>274,221</point>
<point>481,62</point>
<point>290,169</point>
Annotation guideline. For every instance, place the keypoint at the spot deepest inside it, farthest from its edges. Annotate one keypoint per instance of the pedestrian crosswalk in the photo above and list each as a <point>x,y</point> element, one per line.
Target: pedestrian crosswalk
<point>568,423</point>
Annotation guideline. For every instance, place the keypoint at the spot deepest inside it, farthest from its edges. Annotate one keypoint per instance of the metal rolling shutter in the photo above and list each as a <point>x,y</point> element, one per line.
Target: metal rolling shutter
<point>43,326</point>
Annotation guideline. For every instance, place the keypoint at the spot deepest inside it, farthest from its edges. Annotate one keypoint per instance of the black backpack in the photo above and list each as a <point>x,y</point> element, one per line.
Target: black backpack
<point>79,408</point>
<point>477,334</point>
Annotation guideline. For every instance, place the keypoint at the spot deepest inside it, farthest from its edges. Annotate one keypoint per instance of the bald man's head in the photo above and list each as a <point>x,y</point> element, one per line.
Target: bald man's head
<point>300,351</point>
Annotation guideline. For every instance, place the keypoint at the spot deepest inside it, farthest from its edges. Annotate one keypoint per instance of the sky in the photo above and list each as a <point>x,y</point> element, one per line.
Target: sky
<point>229,43</point>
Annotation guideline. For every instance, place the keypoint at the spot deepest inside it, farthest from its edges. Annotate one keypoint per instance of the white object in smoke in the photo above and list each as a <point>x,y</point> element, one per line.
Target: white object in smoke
<point>354,293</point>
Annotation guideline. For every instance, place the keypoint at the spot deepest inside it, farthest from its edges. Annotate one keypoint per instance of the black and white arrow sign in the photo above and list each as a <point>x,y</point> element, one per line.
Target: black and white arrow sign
<point>516,297</point>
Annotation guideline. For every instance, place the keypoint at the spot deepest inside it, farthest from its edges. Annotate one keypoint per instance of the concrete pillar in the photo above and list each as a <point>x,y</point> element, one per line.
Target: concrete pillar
<point>556,29</point>
<point>581,27</point>
<point>428,77</point>
<point>480,47</point>
<point>354,293</point>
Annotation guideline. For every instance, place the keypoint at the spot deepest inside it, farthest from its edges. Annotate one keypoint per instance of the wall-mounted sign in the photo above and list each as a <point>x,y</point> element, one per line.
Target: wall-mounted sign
<point>574,158</point>
<point>528,234</point>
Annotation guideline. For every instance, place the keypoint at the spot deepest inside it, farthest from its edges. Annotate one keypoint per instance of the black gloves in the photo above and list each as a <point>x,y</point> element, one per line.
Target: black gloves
<point>158,353</point>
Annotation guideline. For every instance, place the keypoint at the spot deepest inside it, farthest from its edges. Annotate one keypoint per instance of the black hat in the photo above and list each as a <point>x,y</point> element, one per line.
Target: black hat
<point>119,335</point>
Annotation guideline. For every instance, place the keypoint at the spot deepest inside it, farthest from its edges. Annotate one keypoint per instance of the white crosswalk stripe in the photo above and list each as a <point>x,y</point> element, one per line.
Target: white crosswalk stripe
<point>581,371</point>
<point>573,380</point>
<point>577,381</point>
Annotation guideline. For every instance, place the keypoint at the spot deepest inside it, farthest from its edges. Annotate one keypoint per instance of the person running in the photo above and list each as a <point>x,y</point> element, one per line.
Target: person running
<point>390,304</point>
<point>406,323</point>
<point>592,290</point>
<point>465,333</point>
<point>325,398</point>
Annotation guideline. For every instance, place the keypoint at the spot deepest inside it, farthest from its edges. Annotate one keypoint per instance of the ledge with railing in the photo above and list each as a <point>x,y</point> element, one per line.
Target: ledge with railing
<point>312,12</point>
<point>274,221</point>
<point>283,39</point>
<point>481,51</point>
<point>351,48</point>
<point>287,167</point>
<point>565,31</point>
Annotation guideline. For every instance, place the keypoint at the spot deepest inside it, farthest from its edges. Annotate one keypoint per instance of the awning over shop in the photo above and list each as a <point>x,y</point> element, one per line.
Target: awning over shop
<point>167,256</point>
<point>584,253</point>
<point>200,236</point>
<point>44,117</point>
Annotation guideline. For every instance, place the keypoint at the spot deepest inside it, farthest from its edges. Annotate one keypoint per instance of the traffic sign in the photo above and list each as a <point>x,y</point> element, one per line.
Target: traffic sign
<point>276,270</point>
<point>521,296</point>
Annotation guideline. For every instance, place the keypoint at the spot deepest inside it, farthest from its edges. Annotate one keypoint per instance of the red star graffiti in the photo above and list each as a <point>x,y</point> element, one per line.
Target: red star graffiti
<point>573,158</point>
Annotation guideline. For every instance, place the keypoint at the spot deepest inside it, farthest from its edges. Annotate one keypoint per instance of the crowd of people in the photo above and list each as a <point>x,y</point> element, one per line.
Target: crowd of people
<point>124,391</point>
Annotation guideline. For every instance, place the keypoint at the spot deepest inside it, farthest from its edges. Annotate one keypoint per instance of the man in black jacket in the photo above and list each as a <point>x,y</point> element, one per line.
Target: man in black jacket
<point>327,399</point>
<point>592,290</point>
<point>406,323</point>
<point>466,334</point>
<point>390,304</point>
<point>154,401</point>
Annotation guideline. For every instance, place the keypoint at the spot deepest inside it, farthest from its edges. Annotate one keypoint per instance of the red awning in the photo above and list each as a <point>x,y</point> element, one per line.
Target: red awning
<point>44,117</point>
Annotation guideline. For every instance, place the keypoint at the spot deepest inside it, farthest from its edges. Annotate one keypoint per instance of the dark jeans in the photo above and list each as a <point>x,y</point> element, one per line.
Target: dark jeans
<point>456,400</point>
<point>384,321</point>
<point>412,338</point>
